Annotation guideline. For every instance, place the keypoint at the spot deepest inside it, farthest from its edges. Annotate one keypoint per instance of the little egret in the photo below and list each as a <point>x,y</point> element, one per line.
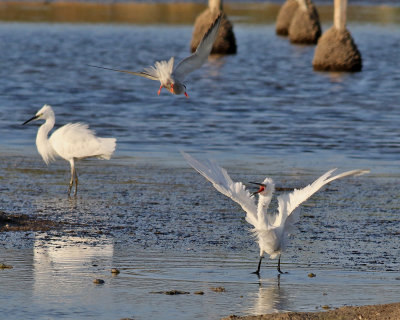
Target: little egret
<point>172,79</point>
<point>271,230</point>
<point>73,141</point>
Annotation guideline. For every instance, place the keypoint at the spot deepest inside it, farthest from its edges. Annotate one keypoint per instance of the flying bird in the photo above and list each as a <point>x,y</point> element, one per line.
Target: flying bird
<point>73,141</point>
<point>170,78</point>
<point>270,229</point>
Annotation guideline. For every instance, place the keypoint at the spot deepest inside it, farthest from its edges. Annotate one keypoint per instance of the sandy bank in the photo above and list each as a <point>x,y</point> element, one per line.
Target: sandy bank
<point>375,312</point>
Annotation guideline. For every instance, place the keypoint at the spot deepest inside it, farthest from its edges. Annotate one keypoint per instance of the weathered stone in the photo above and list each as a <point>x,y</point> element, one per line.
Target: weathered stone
<point>336,51</point>
<point>225,43</point>
<point>285,16</point>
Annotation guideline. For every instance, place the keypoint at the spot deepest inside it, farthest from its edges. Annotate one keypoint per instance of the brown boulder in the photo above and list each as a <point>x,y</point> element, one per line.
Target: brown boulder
<point>285,16</point>
<point>305,27</point>
<point>336,51</point>
<point>225,43</point>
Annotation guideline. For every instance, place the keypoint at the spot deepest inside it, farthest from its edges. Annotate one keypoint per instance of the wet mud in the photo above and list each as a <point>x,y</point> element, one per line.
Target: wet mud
<point>376,312</point>
<point>23,222</point>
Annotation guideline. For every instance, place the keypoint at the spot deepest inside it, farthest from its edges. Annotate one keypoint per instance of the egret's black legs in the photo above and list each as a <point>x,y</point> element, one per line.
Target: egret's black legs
<point>257,272</point>
<point>279,266</point>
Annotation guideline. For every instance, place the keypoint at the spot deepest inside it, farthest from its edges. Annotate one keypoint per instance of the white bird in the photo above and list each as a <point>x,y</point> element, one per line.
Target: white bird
<point>73,141</point>
<point>172,79</point>
<point>271,230</point>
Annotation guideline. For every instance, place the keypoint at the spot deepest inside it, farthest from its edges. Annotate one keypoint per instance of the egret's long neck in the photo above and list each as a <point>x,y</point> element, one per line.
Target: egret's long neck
<point>262,208</point>
<point>42,141</point>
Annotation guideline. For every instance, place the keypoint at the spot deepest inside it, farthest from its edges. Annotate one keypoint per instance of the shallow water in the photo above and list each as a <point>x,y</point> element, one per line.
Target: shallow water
<point>261,112</point>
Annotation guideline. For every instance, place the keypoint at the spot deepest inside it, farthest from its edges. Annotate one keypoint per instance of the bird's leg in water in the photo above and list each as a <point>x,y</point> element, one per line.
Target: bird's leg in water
<point>159,90</point>
<point>71,182</point>
<point>76,182</point>
<point>279,266</point>
<point>257,272</point>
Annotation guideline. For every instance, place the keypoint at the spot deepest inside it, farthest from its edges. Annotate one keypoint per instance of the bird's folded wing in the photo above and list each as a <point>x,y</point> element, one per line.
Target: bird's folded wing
<point>197,59</point>
<point>288,202</point>
<point>140,73</point>
<point>224,184</point>
<point>76,140</point>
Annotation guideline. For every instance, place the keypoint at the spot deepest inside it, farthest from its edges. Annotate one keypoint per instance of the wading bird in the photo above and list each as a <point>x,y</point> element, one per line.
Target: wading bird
<point>73,141</point>
<point>170,78</point>
<point>271,230</point>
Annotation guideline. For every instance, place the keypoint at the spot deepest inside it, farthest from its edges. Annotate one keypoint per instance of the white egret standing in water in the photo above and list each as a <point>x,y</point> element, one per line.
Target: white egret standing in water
<point>172,79</point>
<point>271,230</point>
<point>73,141</point>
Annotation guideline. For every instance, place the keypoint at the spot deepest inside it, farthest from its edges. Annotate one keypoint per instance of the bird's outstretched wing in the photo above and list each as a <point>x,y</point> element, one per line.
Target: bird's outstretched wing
<point>140,73</point>
<point>288,202</point>
<point>197,59</point>
<point>224,184</point>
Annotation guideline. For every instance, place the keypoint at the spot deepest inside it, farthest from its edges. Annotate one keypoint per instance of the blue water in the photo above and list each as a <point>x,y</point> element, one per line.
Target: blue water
<point>266,100</point>
<point>261,112</point>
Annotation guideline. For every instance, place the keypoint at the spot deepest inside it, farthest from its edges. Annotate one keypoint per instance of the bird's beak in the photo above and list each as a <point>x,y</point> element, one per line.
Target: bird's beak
<point>171,89</point>
<point>261,189</point>
<point>31,119</point>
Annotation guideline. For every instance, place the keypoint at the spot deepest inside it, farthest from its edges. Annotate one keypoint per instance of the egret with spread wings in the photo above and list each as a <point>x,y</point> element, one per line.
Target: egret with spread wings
<point>271,230</point>
<point>172,79</point>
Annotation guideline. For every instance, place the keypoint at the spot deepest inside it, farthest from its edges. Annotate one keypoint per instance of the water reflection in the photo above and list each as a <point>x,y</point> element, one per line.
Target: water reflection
<point>271,298</point>
<point>64,268</point>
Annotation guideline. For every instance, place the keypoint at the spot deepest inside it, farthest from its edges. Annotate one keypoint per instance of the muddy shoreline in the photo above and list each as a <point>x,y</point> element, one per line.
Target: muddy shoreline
<point>373,312</point>
<point>24,223</point>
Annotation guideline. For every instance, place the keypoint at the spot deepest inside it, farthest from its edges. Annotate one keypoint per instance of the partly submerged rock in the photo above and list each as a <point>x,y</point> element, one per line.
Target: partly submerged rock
<point>305,27</point>
<point>285,16</point>
<point>225,43</point>
<point>336,51</point>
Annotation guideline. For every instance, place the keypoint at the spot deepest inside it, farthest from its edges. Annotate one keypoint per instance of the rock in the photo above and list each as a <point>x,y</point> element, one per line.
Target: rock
<point>336,51</point>
<point>285,16</point>
<point>218,289</point>
<point>171,292</point>
<point>115,271</point>
<point>311,275</point>
<point>305,27</point>
<point>225,43</point>
<point>5,266</point>
<point>199,292</point>
<point>98,281</point>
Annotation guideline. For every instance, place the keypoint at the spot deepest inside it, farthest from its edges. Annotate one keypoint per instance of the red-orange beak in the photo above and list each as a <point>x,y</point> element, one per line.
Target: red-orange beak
<point>261,189</point>
<point>159,90</point>
<point>186,95</point>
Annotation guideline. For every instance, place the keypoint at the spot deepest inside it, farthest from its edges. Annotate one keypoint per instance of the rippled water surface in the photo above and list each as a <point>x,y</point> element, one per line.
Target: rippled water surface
<point>261,112</point>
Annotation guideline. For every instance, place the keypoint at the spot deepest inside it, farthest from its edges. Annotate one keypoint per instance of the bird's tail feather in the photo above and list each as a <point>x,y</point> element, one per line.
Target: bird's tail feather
<point>107,147</point>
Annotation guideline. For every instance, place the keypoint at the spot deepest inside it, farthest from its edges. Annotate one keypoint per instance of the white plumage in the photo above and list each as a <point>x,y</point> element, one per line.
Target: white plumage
<point>172,79</point>
<point>271,230</point>
<point>73,141</point>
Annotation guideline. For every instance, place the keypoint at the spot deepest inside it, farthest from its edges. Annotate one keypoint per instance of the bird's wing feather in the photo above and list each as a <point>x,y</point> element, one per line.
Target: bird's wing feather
<point>76,140</point>
<point>288,202</point>
<point>145,74</point>
<point>197,59</point>
<point>223,183</point>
